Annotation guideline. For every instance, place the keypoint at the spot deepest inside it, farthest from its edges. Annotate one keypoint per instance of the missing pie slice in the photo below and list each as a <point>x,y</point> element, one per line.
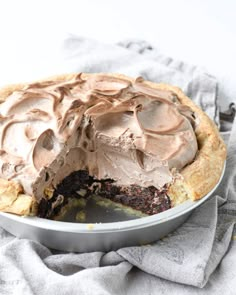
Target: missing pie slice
<point>137,143</point>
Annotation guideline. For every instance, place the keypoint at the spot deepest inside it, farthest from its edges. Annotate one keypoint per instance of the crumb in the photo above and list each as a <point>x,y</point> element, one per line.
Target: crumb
<point>81,216</point>
<point>90,226</point>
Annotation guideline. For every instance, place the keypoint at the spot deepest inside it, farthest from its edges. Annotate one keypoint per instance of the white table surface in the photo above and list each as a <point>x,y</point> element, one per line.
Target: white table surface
<point>199,32</point>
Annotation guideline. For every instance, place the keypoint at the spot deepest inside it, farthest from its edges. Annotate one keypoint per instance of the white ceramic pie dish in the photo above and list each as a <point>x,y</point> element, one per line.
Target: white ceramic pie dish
<point>84,237</point>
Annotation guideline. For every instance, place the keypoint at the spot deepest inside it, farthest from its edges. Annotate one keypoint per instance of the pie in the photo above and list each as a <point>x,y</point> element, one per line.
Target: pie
<point>144,145</point>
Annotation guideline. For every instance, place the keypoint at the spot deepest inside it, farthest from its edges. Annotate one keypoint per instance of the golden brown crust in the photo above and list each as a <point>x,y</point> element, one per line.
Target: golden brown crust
<point>13,200</point>
<point>203,174</point>
<point>196,180</point>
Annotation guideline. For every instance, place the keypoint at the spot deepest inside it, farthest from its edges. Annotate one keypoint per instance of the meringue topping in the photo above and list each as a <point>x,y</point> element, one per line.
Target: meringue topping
<point>109,126</point>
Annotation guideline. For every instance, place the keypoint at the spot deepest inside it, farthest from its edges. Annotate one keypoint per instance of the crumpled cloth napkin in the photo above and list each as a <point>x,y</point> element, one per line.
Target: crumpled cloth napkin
<point>190,260</point>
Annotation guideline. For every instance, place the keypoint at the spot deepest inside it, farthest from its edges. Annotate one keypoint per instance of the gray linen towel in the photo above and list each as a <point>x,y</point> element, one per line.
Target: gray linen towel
<point>190,260</point>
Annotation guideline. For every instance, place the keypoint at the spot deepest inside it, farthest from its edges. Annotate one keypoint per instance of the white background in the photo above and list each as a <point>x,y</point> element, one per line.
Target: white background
<point>199,32</point>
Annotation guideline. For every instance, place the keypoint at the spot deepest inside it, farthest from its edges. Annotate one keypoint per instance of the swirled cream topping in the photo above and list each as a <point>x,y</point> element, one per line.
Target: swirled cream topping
<point>110,126</point>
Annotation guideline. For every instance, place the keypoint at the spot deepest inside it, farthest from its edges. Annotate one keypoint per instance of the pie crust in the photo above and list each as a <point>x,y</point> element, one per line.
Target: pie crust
<point>194,181</point>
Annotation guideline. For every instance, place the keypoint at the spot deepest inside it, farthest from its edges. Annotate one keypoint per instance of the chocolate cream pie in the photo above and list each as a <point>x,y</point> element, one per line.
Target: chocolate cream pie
<point>140,144</point>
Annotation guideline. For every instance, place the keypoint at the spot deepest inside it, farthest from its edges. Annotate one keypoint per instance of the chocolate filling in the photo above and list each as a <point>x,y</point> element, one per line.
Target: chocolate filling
<point>148,200</point>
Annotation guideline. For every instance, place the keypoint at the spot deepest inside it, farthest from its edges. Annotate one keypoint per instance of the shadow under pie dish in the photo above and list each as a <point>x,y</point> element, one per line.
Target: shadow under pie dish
<point>142,145</point>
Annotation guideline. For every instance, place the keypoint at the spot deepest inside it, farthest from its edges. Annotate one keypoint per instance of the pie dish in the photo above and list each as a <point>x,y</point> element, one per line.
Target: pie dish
<point>111,234</point>
<point>117,132</point>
